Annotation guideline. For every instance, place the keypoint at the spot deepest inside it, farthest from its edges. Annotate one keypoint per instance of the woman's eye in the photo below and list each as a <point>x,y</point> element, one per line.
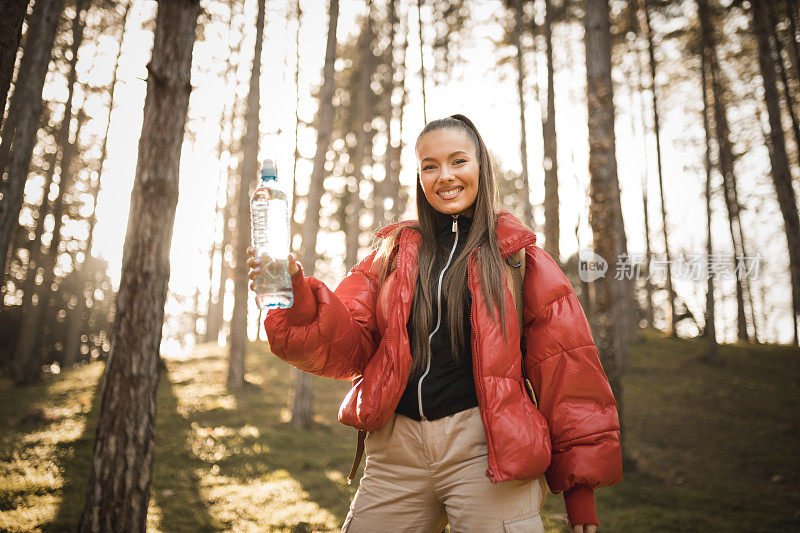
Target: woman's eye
<point>462,160</point>
<point>427,167</point>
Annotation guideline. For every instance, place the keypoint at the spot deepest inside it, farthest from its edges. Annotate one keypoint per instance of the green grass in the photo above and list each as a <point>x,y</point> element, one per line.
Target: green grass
<point>714,449</point>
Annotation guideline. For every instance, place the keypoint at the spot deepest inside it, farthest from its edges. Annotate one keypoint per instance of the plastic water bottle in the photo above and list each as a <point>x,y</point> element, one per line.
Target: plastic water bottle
<point>269,224</point>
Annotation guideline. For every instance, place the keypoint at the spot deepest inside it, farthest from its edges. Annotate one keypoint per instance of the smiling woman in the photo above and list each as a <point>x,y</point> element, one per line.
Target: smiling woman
<point>449,171</point>
<point>426,329</point>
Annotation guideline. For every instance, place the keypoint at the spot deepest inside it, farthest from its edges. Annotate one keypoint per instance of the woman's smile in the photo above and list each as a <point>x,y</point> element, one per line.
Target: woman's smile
<point>451,194</point>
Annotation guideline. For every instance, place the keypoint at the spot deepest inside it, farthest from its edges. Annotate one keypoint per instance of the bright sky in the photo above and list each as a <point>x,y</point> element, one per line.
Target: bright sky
<point>485,93</point>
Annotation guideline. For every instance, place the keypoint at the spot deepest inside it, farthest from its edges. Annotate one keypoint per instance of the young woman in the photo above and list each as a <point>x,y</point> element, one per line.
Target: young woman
<point>426,329</point>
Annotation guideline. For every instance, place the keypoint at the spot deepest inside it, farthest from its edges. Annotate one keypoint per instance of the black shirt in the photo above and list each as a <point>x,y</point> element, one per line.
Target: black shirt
<point>447,388</point>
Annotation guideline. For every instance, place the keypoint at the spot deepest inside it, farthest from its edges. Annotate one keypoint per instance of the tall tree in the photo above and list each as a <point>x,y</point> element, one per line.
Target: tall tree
<point>119,485</point>
<point>22,122</point>
<point>781,174</point>
<point>76,319</point>
<point>323,123</point>
<point>710,327</point>
<point>605,213</point>
<point>638,76</point>
<point>222,214</point>
<point>26,360</point>
<point>365,104</point>
<point>12,13</point>
<point>552,230</point>
<point>525,192</point>
<point>726,157</point>
<point>422,62</point>
<point>247,175</point>
<point>648,32</point>
<point>389,85</point>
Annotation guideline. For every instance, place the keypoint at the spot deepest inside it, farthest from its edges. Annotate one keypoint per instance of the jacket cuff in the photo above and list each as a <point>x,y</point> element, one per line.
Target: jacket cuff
<point>579,501</point>
<point>304,307</point>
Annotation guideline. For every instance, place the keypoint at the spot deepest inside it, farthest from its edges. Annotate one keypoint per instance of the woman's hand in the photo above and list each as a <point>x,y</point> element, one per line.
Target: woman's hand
<point>584,528</point>
<point>255,266</point>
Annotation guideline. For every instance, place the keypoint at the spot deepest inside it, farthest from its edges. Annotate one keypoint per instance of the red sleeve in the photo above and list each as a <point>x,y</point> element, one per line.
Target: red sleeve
<point>328,333</point>
<point>573,391</point>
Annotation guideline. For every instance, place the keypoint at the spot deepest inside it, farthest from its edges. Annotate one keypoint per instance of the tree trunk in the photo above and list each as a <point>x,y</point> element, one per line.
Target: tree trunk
<point>552,230</point>
<point>395,191</point>
<point>648,283</point>
<point>22,123</point>
<point>781,174</point>
<point>324,127</point>
<point>389,87</point>
<point>247,175</point>
<point>119,485</point>
<point>726,158</point>
<point>12,13</point>
<point>365,102</point>
<point>214,310</point>
<point>72,344</point>
<point>710,327</point>
<point>295,227</point>
<point>422,63</point>
<point>644,5</point>
<point>787,94</point>
<point>605,211</point>
<point>523,147</point>
<point>26,360</point>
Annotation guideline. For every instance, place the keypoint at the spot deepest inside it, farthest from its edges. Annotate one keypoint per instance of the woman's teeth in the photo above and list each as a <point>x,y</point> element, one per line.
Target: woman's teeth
<point>449,195</point>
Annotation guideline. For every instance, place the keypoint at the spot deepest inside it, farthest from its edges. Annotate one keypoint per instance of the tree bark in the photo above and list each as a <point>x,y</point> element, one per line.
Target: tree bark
<point>119,485</point>
<point>214,310</point>
<point>726,158</point>
<point>22,123</point>
<point>605,211</point>
<point>523,146</point>
<point>12,13</point>
<point>552,229</point>
<point>710,326</point>
<point>365,103</point>
<point>781,174</point>
<point>648,283</point>
<point>644,4</point>
<point>324,127</point>
<point>389,87</point>
<point>787,94</point>
<point>247,175</point>
<point>77,319</point>
<point>26,360</point>
<point>422,63</point>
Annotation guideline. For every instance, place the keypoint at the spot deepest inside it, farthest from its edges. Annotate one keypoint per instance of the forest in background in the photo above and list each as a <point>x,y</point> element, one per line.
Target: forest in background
<point>664,132</point>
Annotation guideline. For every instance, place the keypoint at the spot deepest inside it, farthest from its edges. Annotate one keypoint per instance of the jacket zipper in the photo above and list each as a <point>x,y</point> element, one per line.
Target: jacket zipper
<point>438,317</point>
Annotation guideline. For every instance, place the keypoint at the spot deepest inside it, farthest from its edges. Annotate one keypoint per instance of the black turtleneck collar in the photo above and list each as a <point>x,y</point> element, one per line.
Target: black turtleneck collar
<point>444,223</point>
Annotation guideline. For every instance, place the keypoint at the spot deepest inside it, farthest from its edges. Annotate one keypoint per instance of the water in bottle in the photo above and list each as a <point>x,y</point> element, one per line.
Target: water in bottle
<point>269,223</point>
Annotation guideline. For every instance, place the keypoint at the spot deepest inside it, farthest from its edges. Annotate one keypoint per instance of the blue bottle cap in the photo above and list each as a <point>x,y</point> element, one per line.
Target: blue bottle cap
<point>268,169</point>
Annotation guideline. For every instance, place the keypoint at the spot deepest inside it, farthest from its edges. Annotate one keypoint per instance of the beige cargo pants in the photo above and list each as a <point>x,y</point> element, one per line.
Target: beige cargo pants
<point>421,475</point>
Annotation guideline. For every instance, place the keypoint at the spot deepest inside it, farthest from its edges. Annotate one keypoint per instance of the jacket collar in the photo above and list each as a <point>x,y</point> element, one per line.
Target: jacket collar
<point>512,234</point>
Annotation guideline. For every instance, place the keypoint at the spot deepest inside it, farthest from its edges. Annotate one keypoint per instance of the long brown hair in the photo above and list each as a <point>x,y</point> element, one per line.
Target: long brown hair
<point>482,235</point>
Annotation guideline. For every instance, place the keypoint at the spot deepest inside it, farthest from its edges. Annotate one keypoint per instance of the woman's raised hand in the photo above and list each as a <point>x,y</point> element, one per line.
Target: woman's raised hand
<point>255,266</point>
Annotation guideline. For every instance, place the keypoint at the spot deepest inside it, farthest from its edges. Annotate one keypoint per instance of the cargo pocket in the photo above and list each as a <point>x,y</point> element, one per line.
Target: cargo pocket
<point>526,524</point>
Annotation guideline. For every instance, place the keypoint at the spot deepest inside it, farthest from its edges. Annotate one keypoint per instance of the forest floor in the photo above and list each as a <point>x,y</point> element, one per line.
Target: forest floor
<point>709,449</point>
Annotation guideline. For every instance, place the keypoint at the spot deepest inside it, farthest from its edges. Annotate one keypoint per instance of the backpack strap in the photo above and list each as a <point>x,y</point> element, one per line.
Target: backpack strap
<point>517,264</point>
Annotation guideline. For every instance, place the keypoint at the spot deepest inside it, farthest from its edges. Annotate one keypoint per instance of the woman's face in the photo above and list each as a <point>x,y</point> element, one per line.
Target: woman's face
<point>448,171</point>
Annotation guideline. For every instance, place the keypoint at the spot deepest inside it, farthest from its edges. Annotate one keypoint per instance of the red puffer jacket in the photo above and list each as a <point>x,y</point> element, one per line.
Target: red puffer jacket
<point>358,333</point>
